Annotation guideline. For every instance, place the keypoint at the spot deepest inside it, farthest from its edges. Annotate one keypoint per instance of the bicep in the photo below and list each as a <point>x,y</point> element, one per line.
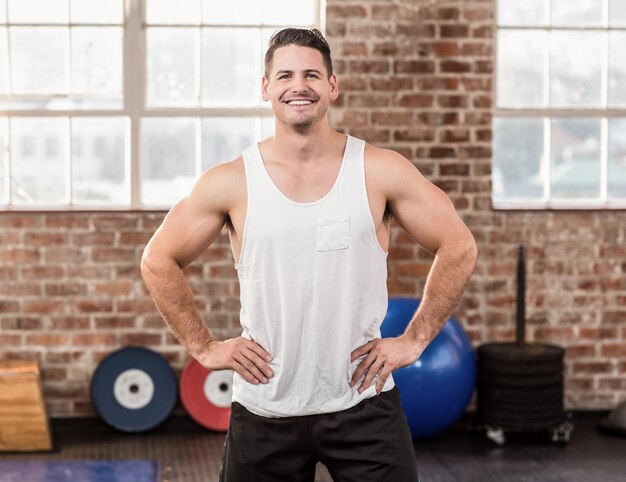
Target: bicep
<point>189,227</point>
<point>422,209</point>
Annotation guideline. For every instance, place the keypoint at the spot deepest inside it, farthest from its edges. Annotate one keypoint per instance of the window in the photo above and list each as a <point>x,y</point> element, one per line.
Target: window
<point>122,104</point>
<point>560,118</point>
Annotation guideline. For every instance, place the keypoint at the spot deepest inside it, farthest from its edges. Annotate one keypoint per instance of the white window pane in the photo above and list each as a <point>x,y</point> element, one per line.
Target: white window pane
<point>96,60</point>
<point>267,127</point>
<point>230,59</point>
<point>575,13</point>
<point>617,69</point>
<point>173,11</point>
<point>225,138</point>
<point>39,160</point>
<point>4,62</point>
<point>3,11</point>
<point>168,159</point>
<point>172,73</point>
<point>517,159</point>
<point>520,68</point>
<point>4,139</point>
<point>97,11</point>
<point>617,158</point>
<point>288,12</point>
<point>39,60</point>
<point>266,35</point>
<point>232,12</point>
<point>575,153</point>
<point>38,11</point>
<point>617,13</point>
<point>576,65</point>
<point>99,165</point>
<point>527,13</point>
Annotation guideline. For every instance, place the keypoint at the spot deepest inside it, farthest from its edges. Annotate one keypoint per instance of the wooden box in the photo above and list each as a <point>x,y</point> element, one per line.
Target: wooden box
<point>24,424</point>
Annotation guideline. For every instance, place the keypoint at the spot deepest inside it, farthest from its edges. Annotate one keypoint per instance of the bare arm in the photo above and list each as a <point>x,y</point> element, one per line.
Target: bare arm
<point>428,216</point>
<point>187,230</point>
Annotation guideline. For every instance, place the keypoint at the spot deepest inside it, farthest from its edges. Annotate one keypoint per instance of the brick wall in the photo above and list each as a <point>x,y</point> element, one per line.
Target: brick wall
<point>415,76</point>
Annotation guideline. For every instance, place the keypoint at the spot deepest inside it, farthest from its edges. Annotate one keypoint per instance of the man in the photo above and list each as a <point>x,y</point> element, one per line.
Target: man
<point>309,213</point>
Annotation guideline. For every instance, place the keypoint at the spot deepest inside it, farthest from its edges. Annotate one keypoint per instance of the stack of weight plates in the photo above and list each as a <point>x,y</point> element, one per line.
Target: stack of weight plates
<point>520,387</point>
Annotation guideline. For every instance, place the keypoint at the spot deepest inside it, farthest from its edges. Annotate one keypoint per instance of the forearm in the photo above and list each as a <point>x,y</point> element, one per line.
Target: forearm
<point>174,299</point>
<point>446,282</point>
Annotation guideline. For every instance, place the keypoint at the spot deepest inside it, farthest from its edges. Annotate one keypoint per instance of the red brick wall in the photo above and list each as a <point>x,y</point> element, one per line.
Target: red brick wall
<point>415,76</point>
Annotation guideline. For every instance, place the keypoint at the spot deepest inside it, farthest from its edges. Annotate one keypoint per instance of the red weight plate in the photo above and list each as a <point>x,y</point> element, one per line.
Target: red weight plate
<point>206,395</point>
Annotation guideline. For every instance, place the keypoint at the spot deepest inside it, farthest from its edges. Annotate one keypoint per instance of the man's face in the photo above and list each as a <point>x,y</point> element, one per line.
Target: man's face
<point>298,86</point>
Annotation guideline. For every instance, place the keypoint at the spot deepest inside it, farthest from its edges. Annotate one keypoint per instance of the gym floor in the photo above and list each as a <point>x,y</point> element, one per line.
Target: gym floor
<point>187,453</point>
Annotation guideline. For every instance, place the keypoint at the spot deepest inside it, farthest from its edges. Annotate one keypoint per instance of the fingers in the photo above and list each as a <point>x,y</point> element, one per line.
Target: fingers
<point>372,371</point>
<point>376,366</point>
<point>250,373</point>
<point>251,360</point>
<point>382,379</point>
<point>258,349</point>
<point>245,357</point>
<point>258,363</point>
<point>362,350</point>
<point>363,367</point>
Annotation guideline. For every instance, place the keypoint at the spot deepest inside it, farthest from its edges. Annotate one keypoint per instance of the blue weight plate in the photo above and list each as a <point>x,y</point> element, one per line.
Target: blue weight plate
<point>134,389</point>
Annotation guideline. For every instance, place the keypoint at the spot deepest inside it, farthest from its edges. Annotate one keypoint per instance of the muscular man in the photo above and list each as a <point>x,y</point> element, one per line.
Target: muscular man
<point>308,212</point>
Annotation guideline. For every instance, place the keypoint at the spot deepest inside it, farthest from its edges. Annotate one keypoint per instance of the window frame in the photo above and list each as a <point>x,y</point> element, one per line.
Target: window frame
<point>134,109</point>
<point>547,114</point>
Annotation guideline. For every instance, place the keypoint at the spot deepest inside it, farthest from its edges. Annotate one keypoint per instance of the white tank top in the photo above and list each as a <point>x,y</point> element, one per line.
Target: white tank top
<point>313,288</point>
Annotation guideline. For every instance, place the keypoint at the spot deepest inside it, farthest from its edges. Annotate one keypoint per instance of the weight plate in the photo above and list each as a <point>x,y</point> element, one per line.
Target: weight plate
<point>514,353</point>
<point>522,369</point>
<point>521,422</point>
<point>134,389</point>
<point>523,396</point>
<point>520,405</point>
<point>207,395</point>
<point>521,382</point>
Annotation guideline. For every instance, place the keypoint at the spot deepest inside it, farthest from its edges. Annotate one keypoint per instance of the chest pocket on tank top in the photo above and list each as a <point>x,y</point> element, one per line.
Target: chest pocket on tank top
<point>333,233</point>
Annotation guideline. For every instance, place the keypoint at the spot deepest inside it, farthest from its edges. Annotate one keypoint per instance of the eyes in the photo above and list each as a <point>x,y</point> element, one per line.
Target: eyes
<point>308,75</point>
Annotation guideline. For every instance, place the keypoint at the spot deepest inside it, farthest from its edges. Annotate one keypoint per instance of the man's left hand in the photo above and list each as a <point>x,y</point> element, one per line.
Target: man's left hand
<point>383,357</point>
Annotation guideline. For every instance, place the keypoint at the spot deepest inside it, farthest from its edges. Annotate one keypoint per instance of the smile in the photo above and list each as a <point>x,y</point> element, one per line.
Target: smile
<point>299,102</point>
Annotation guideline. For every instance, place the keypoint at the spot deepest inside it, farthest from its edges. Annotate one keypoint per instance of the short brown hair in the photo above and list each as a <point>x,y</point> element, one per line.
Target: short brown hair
<point>303,37</point>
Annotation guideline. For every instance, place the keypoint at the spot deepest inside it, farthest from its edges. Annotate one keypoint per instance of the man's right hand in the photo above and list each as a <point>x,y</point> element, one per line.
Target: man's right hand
<point>244,356</point>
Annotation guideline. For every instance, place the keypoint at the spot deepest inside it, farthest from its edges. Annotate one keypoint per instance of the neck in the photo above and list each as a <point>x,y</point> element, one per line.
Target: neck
<point>303,145</point>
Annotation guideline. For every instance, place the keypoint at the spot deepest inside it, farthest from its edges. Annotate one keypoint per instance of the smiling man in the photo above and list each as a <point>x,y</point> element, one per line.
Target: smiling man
<point>309,212</point>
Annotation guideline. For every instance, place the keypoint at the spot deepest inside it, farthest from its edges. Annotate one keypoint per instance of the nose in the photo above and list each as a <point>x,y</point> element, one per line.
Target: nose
<point>299,84</point>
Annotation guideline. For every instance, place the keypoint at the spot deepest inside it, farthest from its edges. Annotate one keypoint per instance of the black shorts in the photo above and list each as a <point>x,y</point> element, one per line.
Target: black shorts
<point>369,442</point>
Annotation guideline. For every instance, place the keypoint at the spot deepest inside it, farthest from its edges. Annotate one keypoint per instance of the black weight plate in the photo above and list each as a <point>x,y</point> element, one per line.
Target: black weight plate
<point>520,405</point>
<point>514,353</point>
<point>523,369</point>
<point>521,396</point>
<point>504,412</point>
<point>521,421</point>
<point>134,389</point>
<point>530,392</point>
<point>522,382</point>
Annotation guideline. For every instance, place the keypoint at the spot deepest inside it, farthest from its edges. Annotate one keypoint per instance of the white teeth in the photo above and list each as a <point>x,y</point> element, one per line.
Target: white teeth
<point>299,102</point>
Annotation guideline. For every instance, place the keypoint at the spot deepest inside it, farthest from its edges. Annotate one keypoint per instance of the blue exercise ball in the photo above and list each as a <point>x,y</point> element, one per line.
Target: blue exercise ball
<point>436,389</point>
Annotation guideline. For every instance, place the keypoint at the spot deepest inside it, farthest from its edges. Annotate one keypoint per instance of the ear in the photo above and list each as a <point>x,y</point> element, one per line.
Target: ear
<point>334,87</point>
<point>264,85</point>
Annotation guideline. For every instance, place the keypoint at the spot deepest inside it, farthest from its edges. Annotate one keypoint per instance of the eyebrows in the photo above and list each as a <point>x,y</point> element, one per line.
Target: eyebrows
<point>291,72</point>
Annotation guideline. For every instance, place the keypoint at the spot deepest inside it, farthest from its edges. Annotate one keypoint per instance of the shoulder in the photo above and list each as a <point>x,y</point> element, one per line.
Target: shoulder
<point>221,186</point>
<point>388,170</point>
<point>378,155</point>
